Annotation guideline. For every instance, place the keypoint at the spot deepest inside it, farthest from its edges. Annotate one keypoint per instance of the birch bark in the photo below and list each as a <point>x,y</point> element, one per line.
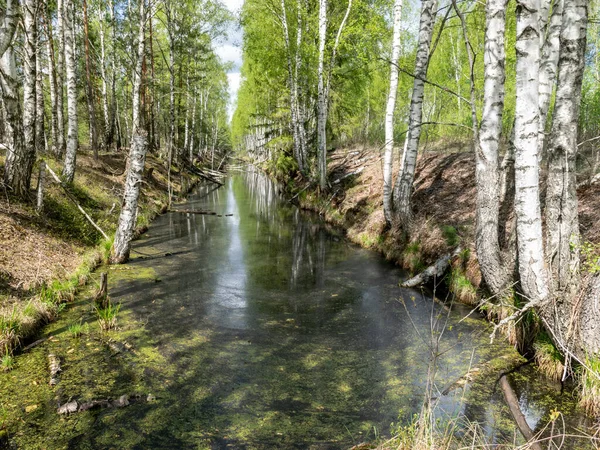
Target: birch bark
<point>137,157</point>
<point>89,83</point>
<point>72,132</point>
<point>60,80</point>
<point>533,276</point>
<point>562,224</point>
<point>52,77</point>
<point>322,101</point>
<point>487,243</point>
<point>29,80</point>
<point>404,183</point>
<point>15,173</point>
<point>389,115</point>
<point>548,65</point>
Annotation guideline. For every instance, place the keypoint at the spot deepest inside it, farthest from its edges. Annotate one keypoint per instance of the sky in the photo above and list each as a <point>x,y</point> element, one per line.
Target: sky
<point>230,50</point>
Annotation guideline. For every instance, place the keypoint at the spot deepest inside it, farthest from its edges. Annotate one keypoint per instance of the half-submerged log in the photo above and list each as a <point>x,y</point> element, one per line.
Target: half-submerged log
<point>54,363</point>
<point>437,270</point>
<point>121,402</point>
<point>513,404</point>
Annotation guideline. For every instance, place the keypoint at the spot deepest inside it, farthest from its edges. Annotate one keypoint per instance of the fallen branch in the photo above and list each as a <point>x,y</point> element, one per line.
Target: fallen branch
<point>199,211</point>
<point>356,172</point>
<point>54,363</point>
<point>513,404</point>
<point>121,402</point>
<point>438,269</point>
<point>70,196</point>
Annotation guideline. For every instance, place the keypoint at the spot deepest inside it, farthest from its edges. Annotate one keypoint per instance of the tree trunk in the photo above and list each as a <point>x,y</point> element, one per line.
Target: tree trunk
<point>60,79</point>
<point>103,74</point>
<point>322,101</point>
<point>137,158</point>
<point>532,273</point>
<point>16,175</point>
<point>389,115</point>
<point>292,81</point>
<point>562,223</point>
<point>40,131</point>
<point>548,65</point>
<point>404,183</point>
<point>72,134</point>
<point>89,84</point>
<point>29,82</point>
<point>52,77</point>
<point>494,271</point>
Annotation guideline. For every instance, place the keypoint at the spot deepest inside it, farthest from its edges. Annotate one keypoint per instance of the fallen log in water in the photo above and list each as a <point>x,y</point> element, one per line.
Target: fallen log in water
<point>199,211</point>
<point>54,363</point>
<point>437,270</point>
<point>124,400</point>
<point>513,404</point>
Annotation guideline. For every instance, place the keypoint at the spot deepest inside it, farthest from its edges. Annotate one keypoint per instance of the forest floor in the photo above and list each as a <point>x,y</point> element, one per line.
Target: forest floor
<point>444,210</point>
<point>46,256</point>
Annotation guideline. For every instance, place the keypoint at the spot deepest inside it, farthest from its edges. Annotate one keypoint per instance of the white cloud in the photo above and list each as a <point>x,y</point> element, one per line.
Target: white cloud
<point>233,5</point>
<point>230,53</point>
<point>234,80</point>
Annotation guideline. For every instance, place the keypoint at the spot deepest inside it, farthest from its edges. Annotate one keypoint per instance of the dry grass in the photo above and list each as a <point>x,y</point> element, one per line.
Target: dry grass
<point>47,257</point>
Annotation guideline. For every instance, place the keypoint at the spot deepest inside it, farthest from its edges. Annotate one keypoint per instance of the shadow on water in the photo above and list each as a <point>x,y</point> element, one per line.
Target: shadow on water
<point>267,330</point>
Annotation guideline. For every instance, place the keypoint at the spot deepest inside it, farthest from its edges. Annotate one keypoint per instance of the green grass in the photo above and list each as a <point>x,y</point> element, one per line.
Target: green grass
<point>451,235</point>
<point>589,380</point>
<point>462,288</point>
<point>7,362</point>
<point>547,357</point>
<point>107,317</point>
<point>76,329</point>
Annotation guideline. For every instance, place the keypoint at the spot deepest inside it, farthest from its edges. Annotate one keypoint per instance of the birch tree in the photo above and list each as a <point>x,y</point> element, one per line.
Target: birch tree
<point>137,156</point>
<point>389,114</point>
<point>322,101</point>
<point>52,81</point>
<point>60,79</point>
<point>29,82</point>
<point>70,65</point>
<point>494,270</point>
<point>527,189</point>
<point>89,82</point>
<point>16,176</point>
<point>404,183</point>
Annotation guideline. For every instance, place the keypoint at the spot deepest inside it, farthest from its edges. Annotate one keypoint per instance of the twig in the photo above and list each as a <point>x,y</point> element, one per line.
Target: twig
<point>70,196</point>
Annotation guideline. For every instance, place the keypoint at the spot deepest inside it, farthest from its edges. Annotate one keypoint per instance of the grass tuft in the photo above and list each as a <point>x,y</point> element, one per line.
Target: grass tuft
<point>589,381</point>
<point>547,357</point>
<point>107,317</point>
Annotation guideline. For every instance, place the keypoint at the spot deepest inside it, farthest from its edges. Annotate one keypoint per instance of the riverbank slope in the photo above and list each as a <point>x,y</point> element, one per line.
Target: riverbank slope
<point>46,256</point>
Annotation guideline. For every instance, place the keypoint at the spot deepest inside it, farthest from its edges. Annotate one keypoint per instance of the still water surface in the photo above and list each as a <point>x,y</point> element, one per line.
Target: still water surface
<point>288,336</point>
<point>261,327</point>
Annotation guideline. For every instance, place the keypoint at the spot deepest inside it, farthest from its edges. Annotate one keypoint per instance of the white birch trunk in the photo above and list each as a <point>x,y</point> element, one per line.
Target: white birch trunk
<point>534,282</point>
<point>70,65</point>
<point>548,64</point>
<point>300,116</point>
<point>293,89</point>
<point>40,134</point>
<point>60,80</point>
<point>103,74</point>
<point>137,157</point>
<point>404,183</point>
<point>53,83</point>
<point>487,243</point>
<point>193,131</point>
<point>29,78</point>
<point>322,101</point>
<point>562,223</point>
<point>389,115</point>
<point>16,176</point>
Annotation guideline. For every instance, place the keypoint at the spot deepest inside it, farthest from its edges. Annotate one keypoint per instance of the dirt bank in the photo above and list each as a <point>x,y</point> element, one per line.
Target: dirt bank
<point>45,257</point>
<point>444,208</point>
